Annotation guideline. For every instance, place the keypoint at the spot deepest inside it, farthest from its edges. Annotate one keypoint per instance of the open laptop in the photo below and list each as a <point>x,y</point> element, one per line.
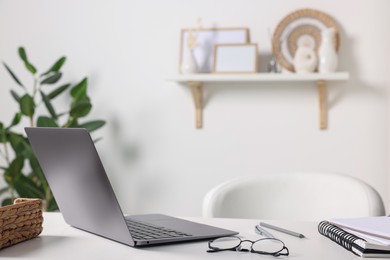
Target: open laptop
<point>83,192</point>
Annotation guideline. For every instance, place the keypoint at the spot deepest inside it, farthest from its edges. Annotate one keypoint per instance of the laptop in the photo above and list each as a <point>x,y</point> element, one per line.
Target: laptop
<point>85,197</point>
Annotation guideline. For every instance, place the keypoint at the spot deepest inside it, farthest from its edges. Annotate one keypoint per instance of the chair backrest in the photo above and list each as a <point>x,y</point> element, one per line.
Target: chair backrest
<point>301,196</point>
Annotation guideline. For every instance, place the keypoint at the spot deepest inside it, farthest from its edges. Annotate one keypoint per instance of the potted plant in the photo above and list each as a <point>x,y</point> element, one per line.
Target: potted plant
<point>21,170</point>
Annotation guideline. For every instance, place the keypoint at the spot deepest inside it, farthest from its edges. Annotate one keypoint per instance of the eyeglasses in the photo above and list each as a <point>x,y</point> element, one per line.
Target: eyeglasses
<point>264,246</point>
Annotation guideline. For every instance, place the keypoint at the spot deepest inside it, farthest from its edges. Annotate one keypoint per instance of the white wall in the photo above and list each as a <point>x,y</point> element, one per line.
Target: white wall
<point>155,157</point>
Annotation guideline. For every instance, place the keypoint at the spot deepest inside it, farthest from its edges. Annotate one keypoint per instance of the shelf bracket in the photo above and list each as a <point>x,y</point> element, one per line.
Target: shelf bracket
<point>323,101</point>
<point>197,94</point>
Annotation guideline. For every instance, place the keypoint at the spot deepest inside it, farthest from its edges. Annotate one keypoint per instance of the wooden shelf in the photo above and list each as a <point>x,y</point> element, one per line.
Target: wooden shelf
<point>259,77</point>
<point>197,81</point>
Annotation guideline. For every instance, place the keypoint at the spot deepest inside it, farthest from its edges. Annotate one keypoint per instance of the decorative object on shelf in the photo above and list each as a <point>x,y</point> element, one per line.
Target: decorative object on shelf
<point>206,39</point>
<point>273,66</point>
<point>235,58</point>
<point>305,59</point>
<point>20,221</point>
<point>301,25</point>
<point>327,53</point>
<point>20,168</point>
<point>189,65</point>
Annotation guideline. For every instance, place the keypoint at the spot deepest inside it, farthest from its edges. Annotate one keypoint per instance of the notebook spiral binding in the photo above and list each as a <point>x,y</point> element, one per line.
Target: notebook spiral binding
<point>338,235</point>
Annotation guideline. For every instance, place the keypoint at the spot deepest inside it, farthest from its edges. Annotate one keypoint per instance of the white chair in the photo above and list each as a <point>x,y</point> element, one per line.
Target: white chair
<point>299,196</point>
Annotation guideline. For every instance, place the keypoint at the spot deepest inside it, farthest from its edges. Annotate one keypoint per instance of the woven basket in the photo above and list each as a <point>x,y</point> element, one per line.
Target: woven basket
<point>20,221</point>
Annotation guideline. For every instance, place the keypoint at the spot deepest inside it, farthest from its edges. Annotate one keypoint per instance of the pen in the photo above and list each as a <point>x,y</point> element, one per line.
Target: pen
<point>261,231</point>
<point>292,233</point>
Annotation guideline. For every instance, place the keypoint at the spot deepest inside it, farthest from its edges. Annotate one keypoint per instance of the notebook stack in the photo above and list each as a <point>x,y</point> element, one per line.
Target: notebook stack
<point>365,237</point>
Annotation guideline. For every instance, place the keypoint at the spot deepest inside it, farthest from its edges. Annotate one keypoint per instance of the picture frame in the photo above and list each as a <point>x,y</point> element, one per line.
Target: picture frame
<point>206,38</point>
<point>235,58</point>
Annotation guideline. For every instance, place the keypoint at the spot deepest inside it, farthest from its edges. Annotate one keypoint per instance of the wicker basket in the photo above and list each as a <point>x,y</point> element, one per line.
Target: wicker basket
<point>20,221</point>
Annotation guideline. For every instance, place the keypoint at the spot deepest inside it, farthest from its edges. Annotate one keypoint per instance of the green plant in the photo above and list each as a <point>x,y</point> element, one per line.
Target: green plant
<point>22,173</point>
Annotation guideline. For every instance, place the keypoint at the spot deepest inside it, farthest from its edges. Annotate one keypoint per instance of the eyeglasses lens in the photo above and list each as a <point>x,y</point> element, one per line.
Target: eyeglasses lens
<point>268,245</point>
<point>225,242</point>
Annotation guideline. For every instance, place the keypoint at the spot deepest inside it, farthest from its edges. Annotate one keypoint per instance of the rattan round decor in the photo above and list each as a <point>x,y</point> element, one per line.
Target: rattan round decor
<point>304,25</point>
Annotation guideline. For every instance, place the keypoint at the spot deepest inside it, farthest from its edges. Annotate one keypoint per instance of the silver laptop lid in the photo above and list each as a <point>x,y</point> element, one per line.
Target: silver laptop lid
<point>78,181</point>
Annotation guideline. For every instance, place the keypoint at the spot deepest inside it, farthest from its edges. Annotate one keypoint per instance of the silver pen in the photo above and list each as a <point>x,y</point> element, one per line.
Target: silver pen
<point>261,231</point>
<point>289,232</point>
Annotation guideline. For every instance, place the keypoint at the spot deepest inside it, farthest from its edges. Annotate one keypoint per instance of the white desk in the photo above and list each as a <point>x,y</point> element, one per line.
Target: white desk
<point>59,241</point>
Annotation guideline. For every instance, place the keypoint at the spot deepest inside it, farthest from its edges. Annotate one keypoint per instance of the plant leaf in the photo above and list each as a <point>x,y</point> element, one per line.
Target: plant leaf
<point>20,145</point>
<point>52,204</point>
<point>52,79</point>
<point>84,100</point>
<point>16,120</point>
<point>58,91</point>
<point>3,190</point>
<point>72,123</point>
<point>79,91</point>
<point>31,68</point>
<point>56,66</point>
<point>23,56</point>
<point>27,105</point>
<point>48,105</point>
<point>44,121</point>
<point>13,75</point>
<point>14,169</point>
<point>15,96</point>
<point>7,201</point>
<point>81,109</point>
<point>62,114</point>
<point>93,125</point>
<point>3,136</point>
<point>26,188</point>
<point>37,171</point>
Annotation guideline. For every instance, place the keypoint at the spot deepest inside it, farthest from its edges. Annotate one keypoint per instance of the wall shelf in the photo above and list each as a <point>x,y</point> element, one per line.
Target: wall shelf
<point>197,81</point>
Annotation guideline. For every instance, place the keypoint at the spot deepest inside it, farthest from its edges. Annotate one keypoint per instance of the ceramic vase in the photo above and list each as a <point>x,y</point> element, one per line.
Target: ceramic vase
<point>189,65</point>
<point>305,60</point>
<point>328,59</point>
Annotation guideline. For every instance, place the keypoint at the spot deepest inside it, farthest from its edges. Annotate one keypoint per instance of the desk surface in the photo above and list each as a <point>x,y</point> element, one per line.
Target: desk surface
<point>60,241</point>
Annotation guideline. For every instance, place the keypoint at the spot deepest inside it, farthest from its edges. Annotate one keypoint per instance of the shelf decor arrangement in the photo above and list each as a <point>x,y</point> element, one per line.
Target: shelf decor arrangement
<point>305,44</point>
<point>20,222</point>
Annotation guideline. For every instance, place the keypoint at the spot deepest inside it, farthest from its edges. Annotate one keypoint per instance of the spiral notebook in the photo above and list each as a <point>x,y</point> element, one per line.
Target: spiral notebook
<point>376,226</point>
<point>357,243</point>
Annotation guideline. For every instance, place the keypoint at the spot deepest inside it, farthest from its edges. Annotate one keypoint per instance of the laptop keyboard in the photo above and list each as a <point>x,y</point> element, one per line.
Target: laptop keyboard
<point>142,231</point>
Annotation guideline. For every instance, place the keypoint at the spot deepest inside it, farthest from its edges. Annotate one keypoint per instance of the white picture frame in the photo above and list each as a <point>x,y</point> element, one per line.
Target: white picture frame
<point>235,58</point>
<point>205,42</point>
